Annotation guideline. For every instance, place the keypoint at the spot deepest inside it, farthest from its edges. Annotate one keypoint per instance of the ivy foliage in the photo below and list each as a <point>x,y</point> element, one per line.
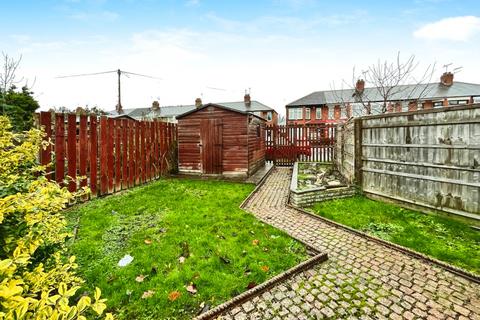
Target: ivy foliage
<point>37,280</point>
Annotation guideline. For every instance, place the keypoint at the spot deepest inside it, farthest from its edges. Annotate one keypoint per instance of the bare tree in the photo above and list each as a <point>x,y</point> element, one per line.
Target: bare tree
<point>387,82</point>
<point>8,76</point>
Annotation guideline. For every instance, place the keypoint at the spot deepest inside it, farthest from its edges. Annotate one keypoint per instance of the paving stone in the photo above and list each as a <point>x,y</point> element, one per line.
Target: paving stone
<point>362,279</point>
<point>327,312</point>
<point>396,308</point>
<point>463,311</point>
<point>248,306</point>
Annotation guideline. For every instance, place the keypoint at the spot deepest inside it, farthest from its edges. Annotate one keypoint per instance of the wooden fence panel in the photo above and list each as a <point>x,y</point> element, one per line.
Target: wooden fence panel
<point>162,146</point>
<point>124,154</point>
<point>93,155</point>
<point>59,148</point>
<point>149,150</point>
<point>103,155</point>
<point>143,159</point>
<point>138,156</point>
<point>83,151</point>
<point>157,155</point>
<point>131,154</point>
<point>109,154</point>
<point>428,159</point>
<point>72,152</point>
<point>155,149</point>
<point>118,154</point>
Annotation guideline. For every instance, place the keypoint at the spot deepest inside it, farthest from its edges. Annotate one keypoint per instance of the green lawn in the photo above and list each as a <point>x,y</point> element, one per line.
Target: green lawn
<point>225,250</point>
<point>440,237</point>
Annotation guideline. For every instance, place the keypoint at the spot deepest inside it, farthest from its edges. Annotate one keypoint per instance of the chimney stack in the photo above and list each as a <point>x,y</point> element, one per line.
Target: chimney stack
<point>360,86</point>
<point>247,100</point>
<point>119,108</point>
<point>447,79</point>
<point>155,106</point>
<point>198,103</point>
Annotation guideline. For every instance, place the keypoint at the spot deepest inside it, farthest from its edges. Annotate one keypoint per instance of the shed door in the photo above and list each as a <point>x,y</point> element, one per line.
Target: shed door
<point>211,142</point>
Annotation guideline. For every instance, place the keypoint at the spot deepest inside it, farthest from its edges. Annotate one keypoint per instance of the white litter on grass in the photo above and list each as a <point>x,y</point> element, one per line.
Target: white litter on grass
<point>125,260</point>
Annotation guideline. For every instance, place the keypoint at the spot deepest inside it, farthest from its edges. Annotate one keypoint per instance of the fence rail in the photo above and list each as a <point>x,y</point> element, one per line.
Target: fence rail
<point>106,154</point>
<point>287,144</point>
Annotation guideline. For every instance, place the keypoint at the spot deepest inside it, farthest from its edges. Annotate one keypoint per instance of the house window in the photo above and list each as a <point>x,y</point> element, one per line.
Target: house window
<point>455,102</point>
<point>318,113</point>
<point>295,114</point>
<point>307,113</point>
<point>331,112</point>
<point>269,115</point>
<point>343,112</point>
<point>438,104</point>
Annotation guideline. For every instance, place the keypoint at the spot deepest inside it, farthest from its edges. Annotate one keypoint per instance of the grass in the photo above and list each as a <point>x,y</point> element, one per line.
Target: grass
<point>225,249</point>
<point>448,240</point>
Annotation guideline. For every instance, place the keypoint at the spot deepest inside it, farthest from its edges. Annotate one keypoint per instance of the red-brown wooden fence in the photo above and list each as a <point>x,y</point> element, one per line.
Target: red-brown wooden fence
<point>290,143</point>
<point>108,155</point>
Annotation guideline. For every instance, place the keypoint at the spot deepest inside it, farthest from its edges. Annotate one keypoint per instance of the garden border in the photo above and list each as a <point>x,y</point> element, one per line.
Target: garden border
<point>247,295</point>
<point>453,269</point>
<point>259,184</point>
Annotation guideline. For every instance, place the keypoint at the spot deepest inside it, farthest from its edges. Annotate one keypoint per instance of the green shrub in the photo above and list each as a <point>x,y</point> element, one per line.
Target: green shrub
<point>37,280</point>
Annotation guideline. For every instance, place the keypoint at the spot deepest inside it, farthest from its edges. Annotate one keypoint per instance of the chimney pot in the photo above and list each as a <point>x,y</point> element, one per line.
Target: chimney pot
<point>247,99</point>
<point>155,106</point>
<point>198,103</point>
<point>360,86</point>
<point>446,79</point>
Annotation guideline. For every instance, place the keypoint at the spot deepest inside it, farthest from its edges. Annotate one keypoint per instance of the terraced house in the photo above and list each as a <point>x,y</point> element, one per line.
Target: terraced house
<point>334,106</point>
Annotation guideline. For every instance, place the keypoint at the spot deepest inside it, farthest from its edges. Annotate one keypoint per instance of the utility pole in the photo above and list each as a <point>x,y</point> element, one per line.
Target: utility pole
<point>119,105</point>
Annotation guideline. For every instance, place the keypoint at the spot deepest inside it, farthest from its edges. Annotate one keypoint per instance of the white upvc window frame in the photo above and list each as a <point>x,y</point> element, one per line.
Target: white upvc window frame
<point>308,113</point>
<point>295,113</point>
<point>331,112</point>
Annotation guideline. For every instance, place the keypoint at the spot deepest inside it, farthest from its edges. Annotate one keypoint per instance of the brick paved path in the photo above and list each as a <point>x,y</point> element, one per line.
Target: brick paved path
<point>361,280</point>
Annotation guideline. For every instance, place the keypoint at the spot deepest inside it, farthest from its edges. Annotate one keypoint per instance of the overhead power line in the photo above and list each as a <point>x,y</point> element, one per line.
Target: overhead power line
<point>85,74</point>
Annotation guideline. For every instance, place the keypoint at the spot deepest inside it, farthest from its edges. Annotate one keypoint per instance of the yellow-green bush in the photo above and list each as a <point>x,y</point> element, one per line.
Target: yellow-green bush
<point>37,281</point>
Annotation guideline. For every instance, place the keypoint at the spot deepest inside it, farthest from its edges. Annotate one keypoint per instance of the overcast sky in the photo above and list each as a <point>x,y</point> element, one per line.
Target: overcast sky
<point>280,49</point>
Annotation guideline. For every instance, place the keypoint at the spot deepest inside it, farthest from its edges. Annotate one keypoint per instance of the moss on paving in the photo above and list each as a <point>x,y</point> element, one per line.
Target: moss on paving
<point>198,220</point>
<point>441,237</point>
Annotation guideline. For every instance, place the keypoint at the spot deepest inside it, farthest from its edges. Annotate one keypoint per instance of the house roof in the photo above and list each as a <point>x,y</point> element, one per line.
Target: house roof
<point>136,113</point>
<point>221,106</point>
<point>405,92</point>
<point>174,111</point>
<point>121,116</point>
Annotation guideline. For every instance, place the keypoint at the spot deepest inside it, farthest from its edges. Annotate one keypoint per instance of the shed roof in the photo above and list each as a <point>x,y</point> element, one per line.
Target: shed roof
<point>221,106</point>
<point>405,92</point>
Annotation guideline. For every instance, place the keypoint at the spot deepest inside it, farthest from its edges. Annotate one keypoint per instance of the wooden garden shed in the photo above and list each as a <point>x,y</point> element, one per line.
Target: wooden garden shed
<point>220,141</point>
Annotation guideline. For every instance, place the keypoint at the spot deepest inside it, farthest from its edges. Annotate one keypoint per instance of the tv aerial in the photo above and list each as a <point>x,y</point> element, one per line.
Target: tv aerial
<point>119,74</point>
<point>446,66</point>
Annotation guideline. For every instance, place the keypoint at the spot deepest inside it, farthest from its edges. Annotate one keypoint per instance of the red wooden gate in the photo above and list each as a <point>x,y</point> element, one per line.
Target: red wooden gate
<point>290,143</point>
